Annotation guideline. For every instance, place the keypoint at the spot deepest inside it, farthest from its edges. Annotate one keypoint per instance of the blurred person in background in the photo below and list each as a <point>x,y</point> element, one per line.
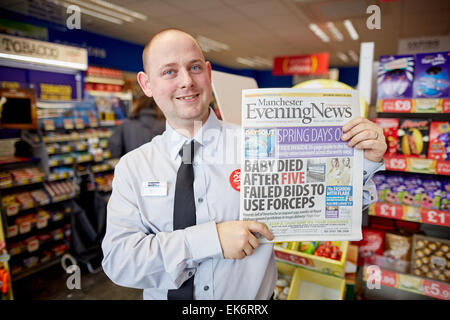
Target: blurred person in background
<point>144,122</point>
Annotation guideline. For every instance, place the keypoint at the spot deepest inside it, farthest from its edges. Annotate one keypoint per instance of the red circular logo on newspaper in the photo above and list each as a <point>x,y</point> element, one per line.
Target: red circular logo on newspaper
<point>235,179</point>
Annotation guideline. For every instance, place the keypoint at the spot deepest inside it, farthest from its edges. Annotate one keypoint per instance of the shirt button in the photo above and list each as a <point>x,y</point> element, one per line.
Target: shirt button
<point>365,172</point>
<point>190,274</point>
<point>200,200</point>
<point>206,288</point>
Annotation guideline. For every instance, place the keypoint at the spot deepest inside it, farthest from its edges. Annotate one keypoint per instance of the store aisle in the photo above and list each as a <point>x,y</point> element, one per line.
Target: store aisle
<point>50,284</point>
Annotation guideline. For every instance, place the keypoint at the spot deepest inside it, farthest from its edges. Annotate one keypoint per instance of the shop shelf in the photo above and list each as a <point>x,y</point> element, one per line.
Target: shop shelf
<point>409,213</point>
<point>312,285</point>
<point>406,282</point>
<point>413,105</point>
<point>309,261</point>
<point>417,165</point>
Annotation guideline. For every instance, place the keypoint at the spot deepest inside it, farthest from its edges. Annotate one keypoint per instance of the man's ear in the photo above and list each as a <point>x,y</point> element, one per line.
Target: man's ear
<point>144,83</point>
<point>208,65</point>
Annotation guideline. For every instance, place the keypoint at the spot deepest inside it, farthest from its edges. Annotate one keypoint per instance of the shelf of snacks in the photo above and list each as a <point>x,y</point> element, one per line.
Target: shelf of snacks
<point>327,257</point>
<point>38,259</point>
<point>409,213</point>
<point>108,165</point>
<point>40,220</point>
<point>408,282</point>
<point>410,105</point>
<point>53,192</point>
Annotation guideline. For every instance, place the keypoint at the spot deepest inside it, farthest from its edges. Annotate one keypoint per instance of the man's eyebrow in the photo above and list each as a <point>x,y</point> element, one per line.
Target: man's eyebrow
<point>168,65</point>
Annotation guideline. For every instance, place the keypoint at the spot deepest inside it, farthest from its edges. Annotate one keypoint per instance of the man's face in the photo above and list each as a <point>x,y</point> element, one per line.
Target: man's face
<point>179,78</point>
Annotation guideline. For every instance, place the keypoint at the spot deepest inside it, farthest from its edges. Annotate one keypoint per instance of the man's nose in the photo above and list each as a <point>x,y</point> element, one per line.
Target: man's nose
<point>186,79</point>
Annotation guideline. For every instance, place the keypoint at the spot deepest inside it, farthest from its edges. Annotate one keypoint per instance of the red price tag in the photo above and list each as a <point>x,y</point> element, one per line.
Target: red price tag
<point>397,105</point>
<point>235,179</point>
<point>446,105</point>
<point>436,290</point>
<point>396,163</point>
<point>386,210</point>
<point>388,278</point>
<point>443,167</point>
<point>441,218</point>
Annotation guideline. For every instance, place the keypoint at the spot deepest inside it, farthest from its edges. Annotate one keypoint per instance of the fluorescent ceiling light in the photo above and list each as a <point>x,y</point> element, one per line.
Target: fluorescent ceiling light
<point>102,10</point>
<point>353,55</point>
<point>208,44</point>
<point>62,64</point>
<point>254,62</point>
<point>334,31</point>
<point>120,9</point>
<point>246,61</point>
<point>351,30</point>
<point>318,32</point>
<point>342,56</point>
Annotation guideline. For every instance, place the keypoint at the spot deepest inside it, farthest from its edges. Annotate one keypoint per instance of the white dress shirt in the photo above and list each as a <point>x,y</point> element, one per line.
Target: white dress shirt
<point>140,248</point>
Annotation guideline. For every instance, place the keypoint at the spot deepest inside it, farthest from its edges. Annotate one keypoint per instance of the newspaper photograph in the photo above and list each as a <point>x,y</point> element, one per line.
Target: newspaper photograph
<point>297,176</point>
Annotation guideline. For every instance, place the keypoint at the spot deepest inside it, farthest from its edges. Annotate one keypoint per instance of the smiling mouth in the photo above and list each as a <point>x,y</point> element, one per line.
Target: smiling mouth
<point>188,97</point>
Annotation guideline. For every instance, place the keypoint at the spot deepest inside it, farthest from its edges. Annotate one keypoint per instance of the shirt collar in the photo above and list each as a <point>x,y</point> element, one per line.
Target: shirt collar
<point>175,140</point>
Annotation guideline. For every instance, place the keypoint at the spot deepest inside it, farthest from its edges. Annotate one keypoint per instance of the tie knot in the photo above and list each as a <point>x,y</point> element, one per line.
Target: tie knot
<point>187,153</point>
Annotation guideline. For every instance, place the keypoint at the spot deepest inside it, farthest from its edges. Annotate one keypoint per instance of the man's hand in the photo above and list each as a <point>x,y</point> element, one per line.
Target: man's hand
<point>365,135</point>
<point>237,240</point>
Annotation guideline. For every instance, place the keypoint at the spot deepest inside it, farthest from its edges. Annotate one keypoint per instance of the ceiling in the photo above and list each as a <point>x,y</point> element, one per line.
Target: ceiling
<point>270,28</point>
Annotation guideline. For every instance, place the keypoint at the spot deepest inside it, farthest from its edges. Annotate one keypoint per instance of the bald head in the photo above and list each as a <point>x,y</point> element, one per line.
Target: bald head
<point>162,36</point>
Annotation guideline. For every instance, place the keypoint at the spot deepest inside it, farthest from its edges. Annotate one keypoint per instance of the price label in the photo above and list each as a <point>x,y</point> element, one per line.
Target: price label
<point>441,218</point>
<point>393,211</point>
<point>436,290</point>
<point>396,163</point>
<point>388,278</point>
<point>443,167</point>
<point>396,105</point>
<point>446,105</point>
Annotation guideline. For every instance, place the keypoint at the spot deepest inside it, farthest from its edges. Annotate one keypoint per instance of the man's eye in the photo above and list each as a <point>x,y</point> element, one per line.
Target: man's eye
<point>195,68</point>
<point>168,72</point>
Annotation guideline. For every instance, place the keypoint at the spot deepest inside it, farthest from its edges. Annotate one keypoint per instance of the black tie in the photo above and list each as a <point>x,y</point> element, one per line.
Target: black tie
<point>184,212</point>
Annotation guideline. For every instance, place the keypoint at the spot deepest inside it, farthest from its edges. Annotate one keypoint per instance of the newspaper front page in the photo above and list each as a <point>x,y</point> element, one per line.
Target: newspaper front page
<point>297,176</point>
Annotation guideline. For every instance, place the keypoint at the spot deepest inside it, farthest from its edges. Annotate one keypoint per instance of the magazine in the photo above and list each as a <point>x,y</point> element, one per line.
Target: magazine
<point>297,176</point>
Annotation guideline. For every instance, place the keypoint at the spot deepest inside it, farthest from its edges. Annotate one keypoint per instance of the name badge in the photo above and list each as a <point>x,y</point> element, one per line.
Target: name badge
<point>154,188</point>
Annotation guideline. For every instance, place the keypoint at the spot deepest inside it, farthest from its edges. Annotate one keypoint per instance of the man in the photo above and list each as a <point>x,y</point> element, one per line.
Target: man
<point>219,256</point>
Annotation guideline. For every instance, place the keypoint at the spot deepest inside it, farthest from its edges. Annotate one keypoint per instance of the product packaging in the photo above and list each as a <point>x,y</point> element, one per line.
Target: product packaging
<point>439,146</point>
<point>397,247</point>
<point>395,77</point>
<point>390,128</point>
<point>431,76</point>
<point>431,258</point>
<point>372,244</point>
<point>413,137</point>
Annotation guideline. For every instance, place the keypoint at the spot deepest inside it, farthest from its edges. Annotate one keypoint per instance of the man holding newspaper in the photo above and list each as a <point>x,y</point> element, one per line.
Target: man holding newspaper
<point>219,255</point>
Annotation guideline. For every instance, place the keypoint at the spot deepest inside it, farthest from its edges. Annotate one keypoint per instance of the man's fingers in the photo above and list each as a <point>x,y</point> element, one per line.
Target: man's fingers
<point>254,242</point>
<point>352,123</point>
<point>362,136</point>
<point>254,226</point>
<point>248,250</point>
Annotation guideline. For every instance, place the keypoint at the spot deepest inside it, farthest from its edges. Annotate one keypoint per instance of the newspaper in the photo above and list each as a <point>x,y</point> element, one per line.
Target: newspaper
<point>297,176</point>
